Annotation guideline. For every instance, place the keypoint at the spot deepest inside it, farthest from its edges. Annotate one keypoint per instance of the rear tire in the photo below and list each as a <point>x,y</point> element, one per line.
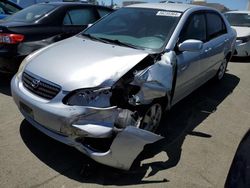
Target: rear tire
<point>222,69</point>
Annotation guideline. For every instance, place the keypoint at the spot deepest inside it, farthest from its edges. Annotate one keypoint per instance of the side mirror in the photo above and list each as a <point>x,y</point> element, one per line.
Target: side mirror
<point>190,45</point>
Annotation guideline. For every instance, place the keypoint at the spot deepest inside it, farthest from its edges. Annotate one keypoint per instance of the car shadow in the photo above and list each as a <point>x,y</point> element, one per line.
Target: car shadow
<point>183,118</point>
<point>5,80</point>
<point>240,59</point>
<point>181,121</point>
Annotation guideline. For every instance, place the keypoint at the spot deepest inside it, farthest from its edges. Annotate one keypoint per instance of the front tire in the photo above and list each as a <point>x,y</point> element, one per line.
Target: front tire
<point>152,117</point>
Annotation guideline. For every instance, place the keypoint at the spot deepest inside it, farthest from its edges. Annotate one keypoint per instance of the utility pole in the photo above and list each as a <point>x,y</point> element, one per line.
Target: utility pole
<point>248,5</point>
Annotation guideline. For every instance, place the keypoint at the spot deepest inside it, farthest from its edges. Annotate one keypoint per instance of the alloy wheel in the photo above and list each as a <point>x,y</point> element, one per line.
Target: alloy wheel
<point>152,118</point>
<point>222,69</point>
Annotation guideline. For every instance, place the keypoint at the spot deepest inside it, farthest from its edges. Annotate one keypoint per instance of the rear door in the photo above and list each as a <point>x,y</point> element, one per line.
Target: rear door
<point>216,35</point>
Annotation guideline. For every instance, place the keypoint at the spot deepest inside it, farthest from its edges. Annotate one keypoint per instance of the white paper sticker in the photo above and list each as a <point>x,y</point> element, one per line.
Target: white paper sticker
<point>167,13</point>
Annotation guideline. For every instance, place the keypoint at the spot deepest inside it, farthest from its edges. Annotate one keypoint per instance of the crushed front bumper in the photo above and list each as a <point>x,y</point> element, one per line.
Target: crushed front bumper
<point>61,118</point>
<point>68,123</point>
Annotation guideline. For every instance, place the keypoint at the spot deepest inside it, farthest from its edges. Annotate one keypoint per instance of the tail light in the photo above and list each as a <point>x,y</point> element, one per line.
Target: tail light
<point>10,38</point>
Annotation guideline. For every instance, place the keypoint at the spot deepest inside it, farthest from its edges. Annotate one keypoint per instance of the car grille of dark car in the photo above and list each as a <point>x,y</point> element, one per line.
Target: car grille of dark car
<point>40,87</point>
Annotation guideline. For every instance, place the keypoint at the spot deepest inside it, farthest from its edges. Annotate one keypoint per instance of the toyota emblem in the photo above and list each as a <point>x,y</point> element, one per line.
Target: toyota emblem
<point>35,83</point>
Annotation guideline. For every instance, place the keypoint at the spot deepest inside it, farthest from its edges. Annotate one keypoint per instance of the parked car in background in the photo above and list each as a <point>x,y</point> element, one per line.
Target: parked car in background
<point>40,25</point>
<point>7,8</point>
<point>104,90</point>
<point>240,21</point>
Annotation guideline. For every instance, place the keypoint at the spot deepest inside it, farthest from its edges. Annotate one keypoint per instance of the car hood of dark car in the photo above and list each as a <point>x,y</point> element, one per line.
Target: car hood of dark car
<point>83,63</point>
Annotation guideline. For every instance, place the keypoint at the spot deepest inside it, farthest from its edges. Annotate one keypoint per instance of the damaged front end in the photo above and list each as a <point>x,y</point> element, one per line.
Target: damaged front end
<point>111,131</point>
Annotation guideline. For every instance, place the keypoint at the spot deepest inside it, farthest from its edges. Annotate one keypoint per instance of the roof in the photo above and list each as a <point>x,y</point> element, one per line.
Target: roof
<point>239,12</point>
<point>166,6</point>
<point>71,4</point>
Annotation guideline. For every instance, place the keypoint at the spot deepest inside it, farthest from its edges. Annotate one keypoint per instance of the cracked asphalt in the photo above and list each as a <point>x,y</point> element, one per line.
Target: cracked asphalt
<point>202,133</point>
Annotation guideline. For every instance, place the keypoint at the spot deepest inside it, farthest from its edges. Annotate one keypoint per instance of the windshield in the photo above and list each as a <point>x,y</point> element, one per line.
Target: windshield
<point>31,14</point>
<point>238,19</point>
<point>138,27</point>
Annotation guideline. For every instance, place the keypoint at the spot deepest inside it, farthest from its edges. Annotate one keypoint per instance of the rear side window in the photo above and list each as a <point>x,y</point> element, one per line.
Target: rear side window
<point>31,14</point>
<point>215,25</point>
<point>102,12</point>
<point>80,17</point>
<point>195,29</point>
<point>7,8</point>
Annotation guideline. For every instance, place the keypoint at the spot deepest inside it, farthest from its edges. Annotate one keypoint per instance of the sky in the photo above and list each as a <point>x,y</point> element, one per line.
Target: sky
<point>231,4</point>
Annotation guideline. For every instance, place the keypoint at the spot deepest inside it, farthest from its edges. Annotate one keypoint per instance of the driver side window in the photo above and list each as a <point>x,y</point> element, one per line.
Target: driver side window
<point>195,29</point>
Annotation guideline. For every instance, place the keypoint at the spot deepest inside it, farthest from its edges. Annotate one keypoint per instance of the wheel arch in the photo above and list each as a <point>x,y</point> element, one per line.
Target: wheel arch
<point>228,56</point>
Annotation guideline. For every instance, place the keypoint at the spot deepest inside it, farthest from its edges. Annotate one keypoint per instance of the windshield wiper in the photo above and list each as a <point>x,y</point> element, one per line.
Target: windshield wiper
<point>111,41</point>
<point>115,41</point>
<point>93,38</point>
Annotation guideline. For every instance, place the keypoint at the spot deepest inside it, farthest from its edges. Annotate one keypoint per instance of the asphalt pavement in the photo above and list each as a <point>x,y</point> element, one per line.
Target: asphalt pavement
<point>202,133</point>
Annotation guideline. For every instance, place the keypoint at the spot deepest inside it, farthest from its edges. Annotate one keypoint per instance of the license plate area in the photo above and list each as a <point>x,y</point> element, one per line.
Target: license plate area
<point>27,110</point>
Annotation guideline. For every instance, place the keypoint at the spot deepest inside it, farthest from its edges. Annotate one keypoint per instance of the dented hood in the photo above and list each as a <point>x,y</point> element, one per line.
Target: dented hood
<point>83,63</point>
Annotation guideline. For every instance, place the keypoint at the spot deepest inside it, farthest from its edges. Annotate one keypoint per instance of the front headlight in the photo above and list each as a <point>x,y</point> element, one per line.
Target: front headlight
<point>96,97</point>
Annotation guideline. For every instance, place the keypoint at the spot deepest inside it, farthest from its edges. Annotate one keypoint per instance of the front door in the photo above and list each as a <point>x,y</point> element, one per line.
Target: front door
<point>189,63</point>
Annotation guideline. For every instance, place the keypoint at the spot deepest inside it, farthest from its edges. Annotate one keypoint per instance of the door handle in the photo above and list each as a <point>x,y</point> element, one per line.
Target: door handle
<point>208,50</point>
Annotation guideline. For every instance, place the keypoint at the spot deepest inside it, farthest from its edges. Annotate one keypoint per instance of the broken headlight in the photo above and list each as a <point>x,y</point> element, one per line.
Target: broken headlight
<point>96,97</point>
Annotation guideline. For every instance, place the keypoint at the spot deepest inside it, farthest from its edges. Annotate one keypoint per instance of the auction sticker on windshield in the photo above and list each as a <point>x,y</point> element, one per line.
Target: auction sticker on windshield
<point>168,13</point>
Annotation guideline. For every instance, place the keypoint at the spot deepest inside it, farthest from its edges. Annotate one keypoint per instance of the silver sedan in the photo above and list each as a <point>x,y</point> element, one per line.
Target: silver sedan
<point>104,90</point>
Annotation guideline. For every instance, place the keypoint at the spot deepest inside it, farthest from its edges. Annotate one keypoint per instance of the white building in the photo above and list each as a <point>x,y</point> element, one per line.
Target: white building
<point>199,1</point>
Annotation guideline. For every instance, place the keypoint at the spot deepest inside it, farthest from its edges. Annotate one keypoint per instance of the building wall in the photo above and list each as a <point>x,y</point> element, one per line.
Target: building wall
<point>203,1</point>
<point>217,6</point>
<point>126,3</point>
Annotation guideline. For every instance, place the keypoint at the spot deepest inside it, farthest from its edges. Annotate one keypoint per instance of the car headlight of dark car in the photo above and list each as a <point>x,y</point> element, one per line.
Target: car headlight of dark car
<point>244,39</point>
<point>94,97</point>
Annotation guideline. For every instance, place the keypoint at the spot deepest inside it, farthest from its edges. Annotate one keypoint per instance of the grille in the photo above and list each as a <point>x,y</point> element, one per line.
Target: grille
<point>40,87</point>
